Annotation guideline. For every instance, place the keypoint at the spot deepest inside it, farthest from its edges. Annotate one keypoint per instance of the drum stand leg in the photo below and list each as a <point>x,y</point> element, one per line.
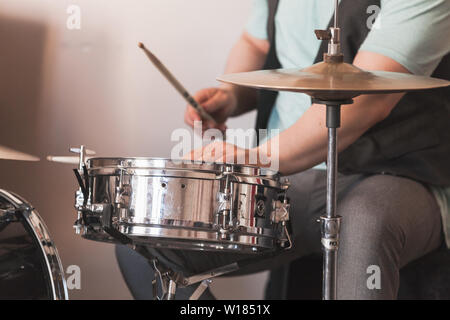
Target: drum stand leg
<point>170,280</point>
<point>172,290</point>
<point>200,289</point>
<point>331,223</point>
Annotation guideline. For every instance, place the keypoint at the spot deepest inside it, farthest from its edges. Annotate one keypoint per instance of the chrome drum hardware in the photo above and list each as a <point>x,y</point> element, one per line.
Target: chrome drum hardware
<point>30,267</point>
<point>182,205</point>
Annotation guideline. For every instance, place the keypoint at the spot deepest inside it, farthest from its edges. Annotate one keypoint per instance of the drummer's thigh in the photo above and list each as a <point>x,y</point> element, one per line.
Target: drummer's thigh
<point>390,213</point>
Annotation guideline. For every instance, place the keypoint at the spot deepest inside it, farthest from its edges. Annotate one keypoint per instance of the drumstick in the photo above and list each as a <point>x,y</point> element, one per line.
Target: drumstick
<point>64,159</point>
<point>177,85</point>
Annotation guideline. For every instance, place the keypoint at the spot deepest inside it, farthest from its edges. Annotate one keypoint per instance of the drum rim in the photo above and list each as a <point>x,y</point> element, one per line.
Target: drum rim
<point>53,262</point>
<point>100,162</point>
<point>161,167</point>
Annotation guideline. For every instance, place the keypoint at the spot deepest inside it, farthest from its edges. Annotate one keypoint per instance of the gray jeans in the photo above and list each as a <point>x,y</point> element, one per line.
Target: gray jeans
<point>387,222</point>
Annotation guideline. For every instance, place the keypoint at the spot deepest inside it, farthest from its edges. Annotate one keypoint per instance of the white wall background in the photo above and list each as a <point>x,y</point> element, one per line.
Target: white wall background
<point>60,88</point>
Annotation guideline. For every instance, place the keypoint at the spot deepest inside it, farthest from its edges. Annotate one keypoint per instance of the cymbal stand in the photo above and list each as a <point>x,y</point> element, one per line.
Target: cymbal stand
<point>331,223</point>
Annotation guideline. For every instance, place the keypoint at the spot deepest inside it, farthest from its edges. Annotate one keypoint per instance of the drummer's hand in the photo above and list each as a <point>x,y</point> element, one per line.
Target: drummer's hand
<point>220,103</point>
<point>221,152</point>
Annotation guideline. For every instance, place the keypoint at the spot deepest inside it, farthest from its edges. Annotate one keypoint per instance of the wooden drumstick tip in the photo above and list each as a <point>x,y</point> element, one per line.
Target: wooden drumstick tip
<point>141,45</point>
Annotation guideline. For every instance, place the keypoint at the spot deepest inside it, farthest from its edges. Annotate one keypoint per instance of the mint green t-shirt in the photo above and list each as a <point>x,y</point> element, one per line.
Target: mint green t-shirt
<point>411,32</point>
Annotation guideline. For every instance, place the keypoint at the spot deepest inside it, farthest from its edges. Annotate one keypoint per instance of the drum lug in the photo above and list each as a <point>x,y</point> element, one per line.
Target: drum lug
<point>79,200</point>
<point>280,217</point>
<point>223,218</point>
<point>123,196</point>
<point>280,212</point>
<point>123,192</point>
<point>78,227</point>
<point>224,202</point>
<point>80,206</point>
<point>225,206</point>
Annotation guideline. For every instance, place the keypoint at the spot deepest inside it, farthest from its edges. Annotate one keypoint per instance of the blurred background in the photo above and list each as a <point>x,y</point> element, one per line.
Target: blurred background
<point>61,87</point>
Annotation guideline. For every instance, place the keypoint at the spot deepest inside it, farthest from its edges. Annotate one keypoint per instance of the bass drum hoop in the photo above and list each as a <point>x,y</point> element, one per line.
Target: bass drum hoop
<point>41,234</point>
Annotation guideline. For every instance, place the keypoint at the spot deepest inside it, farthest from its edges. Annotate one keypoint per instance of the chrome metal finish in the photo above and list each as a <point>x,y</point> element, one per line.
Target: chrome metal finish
<point>330,228</point>
<point>201,288</point>
<point>331,172</point>
<point>185,205</point>
<point>285,237</point>
<point>170,280</point>
<point>280,211</point>
<point>211,274</point>
<point>79,197</point>
<point>336,13</point>
<point>334,47</point>
<point>163,279</point>
<point>172,290</point>
<point>82,153</point>
<point>79,200</point>
<point>40,233</point>
<point>331,223</point>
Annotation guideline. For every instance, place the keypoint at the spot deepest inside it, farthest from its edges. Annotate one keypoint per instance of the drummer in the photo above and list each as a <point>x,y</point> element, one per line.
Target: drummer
<point>394,148</point>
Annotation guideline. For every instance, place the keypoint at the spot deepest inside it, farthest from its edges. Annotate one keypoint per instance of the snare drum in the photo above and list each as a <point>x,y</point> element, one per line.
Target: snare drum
<point>182,205</point>
<point>30,267</point>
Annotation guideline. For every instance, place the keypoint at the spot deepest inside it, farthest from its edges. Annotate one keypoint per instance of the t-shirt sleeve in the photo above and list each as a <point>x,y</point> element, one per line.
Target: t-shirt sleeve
<point>415,33</point>
<point>257,22</point>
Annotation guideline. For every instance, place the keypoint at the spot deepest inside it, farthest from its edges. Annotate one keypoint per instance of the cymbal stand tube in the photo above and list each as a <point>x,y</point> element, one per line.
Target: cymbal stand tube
<point>336,15</point>
<point>172,290</point>
<point>331,223</point>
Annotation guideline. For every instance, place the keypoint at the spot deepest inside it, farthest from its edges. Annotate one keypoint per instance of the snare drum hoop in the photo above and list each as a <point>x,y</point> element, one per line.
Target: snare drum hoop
<point>185,169</point>
<point>40,232</point>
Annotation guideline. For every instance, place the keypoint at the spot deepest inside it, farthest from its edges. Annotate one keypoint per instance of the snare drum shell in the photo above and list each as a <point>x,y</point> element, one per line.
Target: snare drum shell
<point>158,200</point>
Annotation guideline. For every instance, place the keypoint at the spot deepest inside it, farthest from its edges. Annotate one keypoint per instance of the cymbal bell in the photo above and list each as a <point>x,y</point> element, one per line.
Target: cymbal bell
<point>333,81</point>
<point>10,154</point>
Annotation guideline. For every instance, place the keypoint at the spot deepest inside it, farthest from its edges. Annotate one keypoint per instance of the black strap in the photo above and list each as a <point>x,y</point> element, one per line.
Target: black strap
<point>83,185</point>
<point>267,99</point>
<point>273,7</point>
<point>107,225</point>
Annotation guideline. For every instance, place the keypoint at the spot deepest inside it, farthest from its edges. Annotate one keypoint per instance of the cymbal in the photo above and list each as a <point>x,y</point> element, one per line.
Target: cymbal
<point>333,81</point>
<point>10,154</point>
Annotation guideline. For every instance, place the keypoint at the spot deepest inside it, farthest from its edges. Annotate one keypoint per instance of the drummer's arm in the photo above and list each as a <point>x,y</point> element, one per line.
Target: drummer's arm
<point>304,145</point>
<point>248,54</point>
